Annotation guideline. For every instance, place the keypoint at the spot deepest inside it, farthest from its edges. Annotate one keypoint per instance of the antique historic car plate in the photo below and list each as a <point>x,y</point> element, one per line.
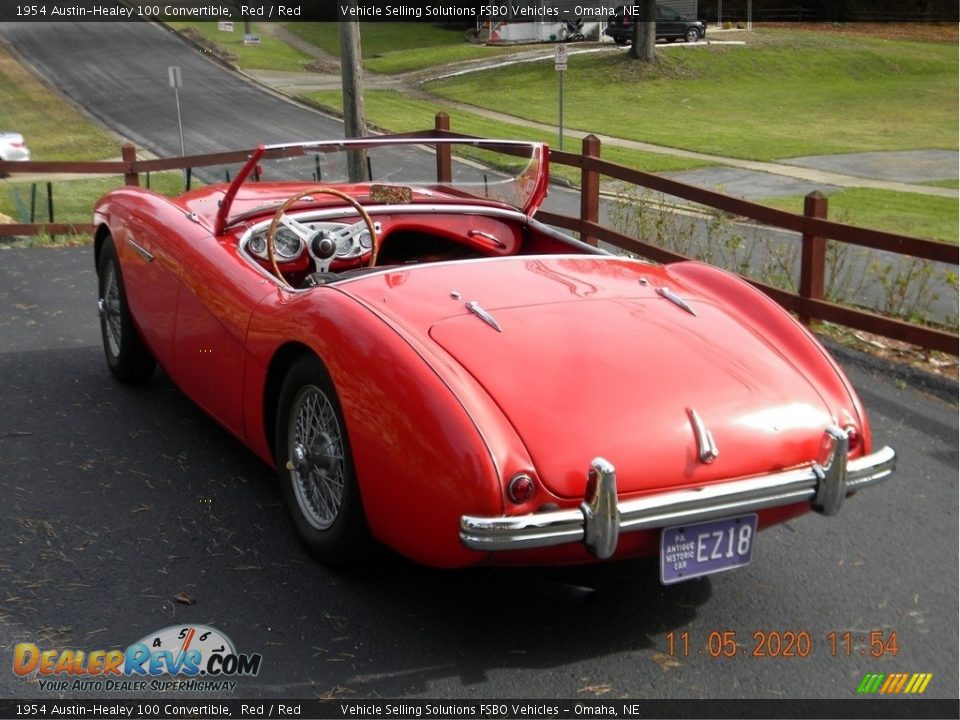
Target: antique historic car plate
<point>689,551</point>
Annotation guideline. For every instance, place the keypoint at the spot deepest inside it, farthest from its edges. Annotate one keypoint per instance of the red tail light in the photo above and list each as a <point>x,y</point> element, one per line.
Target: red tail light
<point>521,488</point>
<point>853,436</point>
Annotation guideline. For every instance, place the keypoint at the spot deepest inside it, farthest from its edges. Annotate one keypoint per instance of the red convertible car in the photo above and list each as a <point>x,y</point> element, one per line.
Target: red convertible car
<point>430,368</point>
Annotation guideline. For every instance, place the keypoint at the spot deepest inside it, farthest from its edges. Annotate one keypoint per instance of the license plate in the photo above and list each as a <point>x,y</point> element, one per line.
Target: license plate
<point>690,551</point>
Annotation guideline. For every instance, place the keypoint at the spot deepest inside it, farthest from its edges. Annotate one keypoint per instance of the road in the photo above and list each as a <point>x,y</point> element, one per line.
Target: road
<point>117,71</point>
<point>115,500</point>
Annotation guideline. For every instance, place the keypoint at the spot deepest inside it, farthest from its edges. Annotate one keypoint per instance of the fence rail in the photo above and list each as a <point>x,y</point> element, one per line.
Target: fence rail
<point>809,303</point>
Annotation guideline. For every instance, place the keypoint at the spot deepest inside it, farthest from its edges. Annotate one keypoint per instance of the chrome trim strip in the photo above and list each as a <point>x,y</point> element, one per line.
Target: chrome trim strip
<point>474,307</point>
<point>374,140</point>
<point>312,214</point>
<point>707,448</point>
<point>144,253</point>
<point>670,295</point>
<point>675,507</point>
<point>487,236</point>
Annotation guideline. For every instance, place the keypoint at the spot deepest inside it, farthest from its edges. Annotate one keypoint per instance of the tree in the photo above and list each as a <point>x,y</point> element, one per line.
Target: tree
<point>644,31</point>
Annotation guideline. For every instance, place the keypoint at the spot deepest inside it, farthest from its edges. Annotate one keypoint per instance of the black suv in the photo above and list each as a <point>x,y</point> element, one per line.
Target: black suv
<point>670,26</point>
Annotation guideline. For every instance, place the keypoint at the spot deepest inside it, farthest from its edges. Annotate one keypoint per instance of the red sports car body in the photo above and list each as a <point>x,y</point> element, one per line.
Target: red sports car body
<point>430,367</point>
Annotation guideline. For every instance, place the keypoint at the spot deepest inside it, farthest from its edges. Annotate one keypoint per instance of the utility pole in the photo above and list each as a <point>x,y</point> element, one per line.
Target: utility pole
<point>351,75</point>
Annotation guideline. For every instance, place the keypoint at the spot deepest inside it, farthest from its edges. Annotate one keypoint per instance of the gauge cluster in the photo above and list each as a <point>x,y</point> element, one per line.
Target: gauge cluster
<point>290,246</point>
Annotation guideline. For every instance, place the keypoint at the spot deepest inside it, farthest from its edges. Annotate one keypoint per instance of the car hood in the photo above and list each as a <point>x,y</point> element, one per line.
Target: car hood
<point>592,357</point>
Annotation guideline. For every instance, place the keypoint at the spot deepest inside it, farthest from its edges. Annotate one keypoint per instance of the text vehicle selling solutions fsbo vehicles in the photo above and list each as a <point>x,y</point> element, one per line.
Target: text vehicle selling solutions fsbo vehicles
<point>431,368</point>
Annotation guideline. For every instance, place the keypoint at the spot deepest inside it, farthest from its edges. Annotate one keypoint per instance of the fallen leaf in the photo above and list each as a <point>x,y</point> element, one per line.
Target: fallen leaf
<point>186,599</point>
<point>601,689</point>
<point>665,661</point>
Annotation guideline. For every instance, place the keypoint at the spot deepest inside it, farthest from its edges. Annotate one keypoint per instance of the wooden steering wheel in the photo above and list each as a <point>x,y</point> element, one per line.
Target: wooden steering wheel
<point>306,234</point>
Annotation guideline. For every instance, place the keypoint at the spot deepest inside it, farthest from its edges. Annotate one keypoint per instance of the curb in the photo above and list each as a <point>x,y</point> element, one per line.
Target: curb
<point>943,388</point>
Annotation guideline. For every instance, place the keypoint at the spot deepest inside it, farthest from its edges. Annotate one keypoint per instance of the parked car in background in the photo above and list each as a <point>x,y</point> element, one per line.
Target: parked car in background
<point>670,26</point>
<point>13,147</point>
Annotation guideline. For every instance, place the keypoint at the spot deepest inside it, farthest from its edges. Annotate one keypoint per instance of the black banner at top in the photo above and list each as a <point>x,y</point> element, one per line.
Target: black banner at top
<point>449,11</point>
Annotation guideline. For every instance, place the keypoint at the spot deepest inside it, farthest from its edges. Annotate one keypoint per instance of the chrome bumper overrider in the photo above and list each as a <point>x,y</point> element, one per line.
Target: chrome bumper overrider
<point>600,519</point>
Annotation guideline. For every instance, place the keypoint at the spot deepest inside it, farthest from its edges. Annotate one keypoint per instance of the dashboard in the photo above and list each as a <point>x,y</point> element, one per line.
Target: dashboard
<point>303,242</point>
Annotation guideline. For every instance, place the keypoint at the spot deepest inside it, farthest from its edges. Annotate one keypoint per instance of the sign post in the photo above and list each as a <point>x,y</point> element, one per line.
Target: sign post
<point>560,63</point>
<point>176,82</point>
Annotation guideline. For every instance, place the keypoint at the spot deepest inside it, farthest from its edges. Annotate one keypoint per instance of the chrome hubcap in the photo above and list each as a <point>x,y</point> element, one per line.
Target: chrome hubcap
<point>315,451</point>
<point>109,308</point>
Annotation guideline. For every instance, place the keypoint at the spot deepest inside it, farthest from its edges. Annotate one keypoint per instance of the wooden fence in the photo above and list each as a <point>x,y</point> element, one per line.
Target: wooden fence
<point>813,227</point>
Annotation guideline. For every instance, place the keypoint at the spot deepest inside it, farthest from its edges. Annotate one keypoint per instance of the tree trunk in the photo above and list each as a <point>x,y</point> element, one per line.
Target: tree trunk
<point>644,31</point>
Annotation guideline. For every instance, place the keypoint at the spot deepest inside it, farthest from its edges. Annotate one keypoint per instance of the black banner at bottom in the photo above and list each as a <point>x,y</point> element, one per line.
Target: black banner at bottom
<point>484,709</point>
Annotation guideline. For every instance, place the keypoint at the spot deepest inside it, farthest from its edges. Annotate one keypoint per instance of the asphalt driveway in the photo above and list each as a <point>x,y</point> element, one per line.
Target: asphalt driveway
<point>115,500</point>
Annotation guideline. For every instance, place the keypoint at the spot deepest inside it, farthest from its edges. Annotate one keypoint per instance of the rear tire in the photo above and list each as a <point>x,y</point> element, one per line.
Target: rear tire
<point>127,357</point>
<point>315,467</point>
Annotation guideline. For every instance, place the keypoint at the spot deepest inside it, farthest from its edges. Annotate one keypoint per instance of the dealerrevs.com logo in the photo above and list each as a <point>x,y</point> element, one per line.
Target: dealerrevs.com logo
<point>193,657</point>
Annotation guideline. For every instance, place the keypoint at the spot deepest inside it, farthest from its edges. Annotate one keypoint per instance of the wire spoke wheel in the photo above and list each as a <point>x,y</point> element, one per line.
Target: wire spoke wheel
<point>315,449</point>
<point>127,356</point>
<point>318,480</point>
<point>111,309</point>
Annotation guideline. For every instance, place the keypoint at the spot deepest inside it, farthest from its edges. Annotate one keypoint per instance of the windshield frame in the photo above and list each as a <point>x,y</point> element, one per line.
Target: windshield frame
<point>538,154</point>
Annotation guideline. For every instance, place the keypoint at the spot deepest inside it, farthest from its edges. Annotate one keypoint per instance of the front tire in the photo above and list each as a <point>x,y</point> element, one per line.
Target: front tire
<point>693,35</point>
<point>127,357</point>
<point>315,466</point>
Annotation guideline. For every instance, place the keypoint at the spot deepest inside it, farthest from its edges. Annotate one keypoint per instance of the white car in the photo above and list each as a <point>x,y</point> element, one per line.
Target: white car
<point>13,147</point>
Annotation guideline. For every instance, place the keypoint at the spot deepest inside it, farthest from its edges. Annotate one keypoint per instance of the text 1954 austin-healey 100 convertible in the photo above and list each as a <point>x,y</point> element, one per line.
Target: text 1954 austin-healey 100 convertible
<point>430,368</point>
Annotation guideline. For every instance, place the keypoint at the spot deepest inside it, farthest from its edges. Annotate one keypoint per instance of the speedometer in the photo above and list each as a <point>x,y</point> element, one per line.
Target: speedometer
<point>288,243</point>
<point>344,245</point>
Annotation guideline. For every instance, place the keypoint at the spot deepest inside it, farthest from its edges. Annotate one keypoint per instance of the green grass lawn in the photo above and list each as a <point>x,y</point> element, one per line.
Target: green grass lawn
<point>395,112</point>
<point>53,129</point>
<point>270,54</point>
<point>398,47</point>
<point>898,212</point>
<point>73,200</point>
<point>785,94</point>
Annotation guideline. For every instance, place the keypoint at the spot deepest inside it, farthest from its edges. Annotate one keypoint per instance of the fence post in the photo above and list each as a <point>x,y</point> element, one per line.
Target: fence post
<point>129,154</point>
<point>813,253</point>
<point>589,188</point>
<point>441,122</point>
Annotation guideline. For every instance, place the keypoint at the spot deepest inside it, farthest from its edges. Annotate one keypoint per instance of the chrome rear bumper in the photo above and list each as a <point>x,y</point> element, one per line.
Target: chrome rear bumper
<point>601,517</point>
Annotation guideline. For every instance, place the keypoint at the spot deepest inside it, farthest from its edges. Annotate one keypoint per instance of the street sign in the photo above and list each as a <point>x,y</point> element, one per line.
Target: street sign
<point>560,58</point>
<point>560,63</point>
<point>176,82</point>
